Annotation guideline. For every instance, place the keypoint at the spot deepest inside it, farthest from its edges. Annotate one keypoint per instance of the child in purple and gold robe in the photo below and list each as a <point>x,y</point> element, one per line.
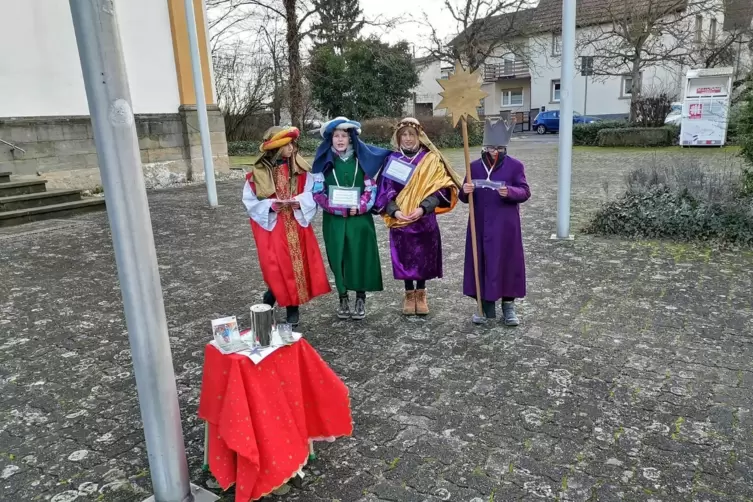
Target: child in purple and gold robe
<point>410,211</point>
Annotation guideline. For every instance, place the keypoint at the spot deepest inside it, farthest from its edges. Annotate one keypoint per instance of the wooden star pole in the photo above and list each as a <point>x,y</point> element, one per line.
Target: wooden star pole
<point>461,97</point>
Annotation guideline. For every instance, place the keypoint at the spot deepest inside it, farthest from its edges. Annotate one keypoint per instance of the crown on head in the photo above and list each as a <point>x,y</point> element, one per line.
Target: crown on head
<point>409,122</point>
<point>498,132</point>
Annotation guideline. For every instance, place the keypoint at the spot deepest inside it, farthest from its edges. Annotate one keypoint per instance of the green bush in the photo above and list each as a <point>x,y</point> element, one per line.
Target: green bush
<point>307,145</point>
<point>439,129</point>
<point>637,136</point>
<point>588,134</point>
<point>744,129</point>
<point>734,124</point>
<point>379,132</point>
<point>237,148</point>
<point>674,131</point>
<point>683,203</point>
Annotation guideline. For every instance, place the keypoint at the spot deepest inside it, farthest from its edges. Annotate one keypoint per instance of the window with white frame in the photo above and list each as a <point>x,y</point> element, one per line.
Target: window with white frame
<point>512,97</point>
<point>555,95</point>
<point>712,32</point>
<point>556,44</point>
<point>627,86</point>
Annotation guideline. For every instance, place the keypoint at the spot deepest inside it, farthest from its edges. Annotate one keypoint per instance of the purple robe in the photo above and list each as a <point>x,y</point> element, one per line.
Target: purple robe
<point>416,249</point>
<point>502,268</point>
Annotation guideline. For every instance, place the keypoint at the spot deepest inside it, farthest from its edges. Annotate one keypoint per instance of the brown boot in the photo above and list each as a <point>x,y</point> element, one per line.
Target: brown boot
<point>422,307</point>
<point>409,304</point>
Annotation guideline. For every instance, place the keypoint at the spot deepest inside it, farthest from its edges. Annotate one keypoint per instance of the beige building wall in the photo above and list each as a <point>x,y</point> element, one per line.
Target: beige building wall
<point>495,102</point>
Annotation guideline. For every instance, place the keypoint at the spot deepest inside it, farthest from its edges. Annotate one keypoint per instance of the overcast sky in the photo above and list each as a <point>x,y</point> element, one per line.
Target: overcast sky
<point>413,12</point>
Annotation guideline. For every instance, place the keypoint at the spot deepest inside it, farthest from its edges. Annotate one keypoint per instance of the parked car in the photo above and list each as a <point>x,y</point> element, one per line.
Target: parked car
<point>549,121</point>
<point>675,115</point>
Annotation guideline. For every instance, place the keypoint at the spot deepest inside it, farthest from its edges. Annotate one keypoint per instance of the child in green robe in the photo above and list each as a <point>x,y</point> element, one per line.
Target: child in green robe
<point>344,165</point>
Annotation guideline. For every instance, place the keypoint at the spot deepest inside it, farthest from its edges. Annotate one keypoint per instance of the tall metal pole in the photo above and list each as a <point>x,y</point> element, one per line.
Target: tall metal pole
<point>567,82</point>
<point>117,145</point>
<point>585,98</point>
<point>201,104</point>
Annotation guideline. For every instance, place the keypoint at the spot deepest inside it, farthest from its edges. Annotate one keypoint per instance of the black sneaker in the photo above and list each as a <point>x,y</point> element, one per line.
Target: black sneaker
<point>293,316</point>
<point>269,298</point>
<point>343,311</point>
<point>359,312</point>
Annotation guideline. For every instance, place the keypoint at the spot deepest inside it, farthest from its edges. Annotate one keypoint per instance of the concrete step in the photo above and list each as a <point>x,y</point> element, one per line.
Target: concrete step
<point>30,200</point>
<point>5,177</point>
<point>20,216</point>
<point>11,188</point>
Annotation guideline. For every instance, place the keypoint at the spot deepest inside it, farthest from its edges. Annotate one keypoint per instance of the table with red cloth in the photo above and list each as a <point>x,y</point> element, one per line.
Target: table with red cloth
<point>260,417</point>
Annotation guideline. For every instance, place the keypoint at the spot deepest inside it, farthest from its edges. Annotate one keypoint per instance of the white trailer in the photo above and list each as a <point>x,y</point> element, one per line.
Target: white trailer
<point>705,108</point>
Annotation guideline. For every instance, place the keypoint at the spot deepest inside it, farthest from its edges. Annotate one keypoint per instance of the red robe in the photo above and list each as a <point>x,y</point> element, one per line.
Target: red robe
<point>289,255</point>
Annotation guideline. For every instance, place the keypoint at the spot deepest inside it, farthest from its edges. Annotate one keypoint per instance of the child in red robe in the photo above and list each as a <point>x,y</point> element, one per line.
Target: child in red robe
<point>278,199</point>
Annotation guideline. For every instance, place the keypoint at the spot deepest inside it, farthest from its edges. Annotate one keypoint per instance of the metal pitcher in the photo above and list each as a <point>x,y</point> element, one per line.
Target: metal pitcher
<point>262,323</point>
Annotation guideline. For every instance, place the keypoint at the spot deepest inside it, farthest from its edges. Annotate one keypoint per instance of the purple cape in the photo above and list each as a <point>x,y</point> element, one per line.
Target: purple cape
<point>502,268</point>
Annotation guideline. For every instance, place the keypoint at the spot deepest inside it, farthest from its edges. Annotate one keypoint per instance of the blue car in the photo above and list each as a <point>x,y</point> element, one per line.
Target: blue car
<point>549,121</point>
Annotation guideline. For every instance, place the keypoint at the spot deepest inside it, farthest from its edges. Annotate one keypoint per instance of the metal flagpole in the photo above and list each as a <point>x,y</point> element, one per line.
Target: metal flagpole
<point>112,119</point>
<point>567,82</point>
<point>585,98</point>
<point>201,104</point>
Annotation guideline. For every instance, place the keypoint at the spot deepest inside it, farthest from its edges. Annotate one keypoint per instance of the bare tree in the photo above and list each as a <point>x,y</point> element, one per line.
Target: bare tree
<point>721,44</point>
<point>274,42</point>
<point>296,16</point>
<point>637,34</point>
<point>295,20</point>
<point>485,30</point>
<point>242,79</point>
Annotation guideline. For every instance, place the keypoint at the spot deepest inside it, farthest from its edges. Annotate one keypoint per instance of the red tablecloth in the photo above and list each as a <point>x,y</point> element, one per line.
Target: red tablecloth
<point>261,417</point>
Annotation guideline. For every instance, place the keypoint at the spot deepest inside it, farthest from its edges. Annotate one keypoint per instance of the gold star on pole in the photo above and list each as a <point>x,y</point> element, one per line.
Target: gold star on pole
<point>462,93</point>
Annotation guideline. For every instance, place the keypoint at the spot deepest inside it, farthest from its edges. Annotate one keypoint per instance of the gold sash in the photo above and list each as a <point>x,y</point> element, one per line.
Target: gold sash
<point>430,176</point>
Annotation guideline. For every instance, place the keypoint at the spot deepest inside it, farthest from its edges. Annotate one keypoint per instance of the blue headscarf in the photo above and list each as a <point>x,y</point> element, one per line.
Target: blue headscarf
<point>370,157</point>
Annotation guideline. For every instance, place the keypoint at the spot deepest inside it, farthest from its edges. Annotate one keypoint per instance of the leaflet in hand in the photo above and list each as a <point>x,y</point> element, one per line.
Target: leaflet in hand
<point>492,185</point>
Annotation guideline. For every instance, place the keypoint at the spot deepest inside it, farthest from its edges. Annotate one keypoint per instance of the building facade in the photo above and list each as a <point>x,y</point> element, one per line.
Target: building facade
<point>44,118</point>
<point>426,95</point>
<point>525,84</point>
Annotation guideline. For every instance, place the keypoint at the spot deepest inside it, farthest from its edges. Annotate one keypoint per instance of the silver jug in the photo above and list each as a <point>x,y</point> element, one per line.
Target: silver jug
<point>262,324</point>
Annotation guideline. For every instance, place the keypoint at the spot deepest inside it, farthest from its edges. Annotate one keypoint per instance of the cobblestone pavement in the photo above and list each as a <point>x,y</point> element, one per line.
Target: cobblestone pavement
<point>629,378</point>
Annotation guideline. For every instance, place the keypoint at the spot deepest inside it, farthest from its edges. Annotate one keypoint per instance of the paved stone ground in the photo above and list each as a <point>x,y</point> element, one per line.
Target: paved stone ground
<point>629,378</point>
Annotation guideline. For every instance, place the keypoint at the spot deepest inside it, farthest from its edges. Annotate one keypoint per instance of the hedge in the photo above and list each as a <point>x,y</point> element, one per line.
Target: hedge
<point>637,136</point>
<point>439,129</point>
<point>307,145</point>
<point>588,134</point>
<point>379,132</point>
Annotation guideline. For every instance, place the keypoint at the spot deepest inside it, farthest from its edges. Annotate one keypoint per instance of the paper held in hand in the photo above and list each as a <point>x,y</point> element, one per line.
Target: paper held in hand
<point>344,198</point>
<point>399,170</point>
<point>492,185</point>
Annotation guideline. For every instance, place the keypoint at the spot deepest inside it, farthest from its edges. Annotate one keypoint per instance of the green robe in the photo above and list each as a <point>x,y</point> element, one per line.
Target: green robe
<point>350,241</point>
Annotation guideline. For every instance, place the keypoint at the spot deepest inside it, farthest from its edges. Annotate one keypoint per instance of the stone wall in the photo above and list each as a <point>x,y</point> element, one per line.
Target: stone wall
<point>61,149</point>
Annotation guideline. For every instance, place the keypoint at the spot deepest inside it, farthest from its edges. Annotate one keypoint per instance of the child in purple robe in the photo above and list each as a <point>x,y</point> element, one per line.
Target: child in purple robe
<point>498,186</point>
<point>416,184</point>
